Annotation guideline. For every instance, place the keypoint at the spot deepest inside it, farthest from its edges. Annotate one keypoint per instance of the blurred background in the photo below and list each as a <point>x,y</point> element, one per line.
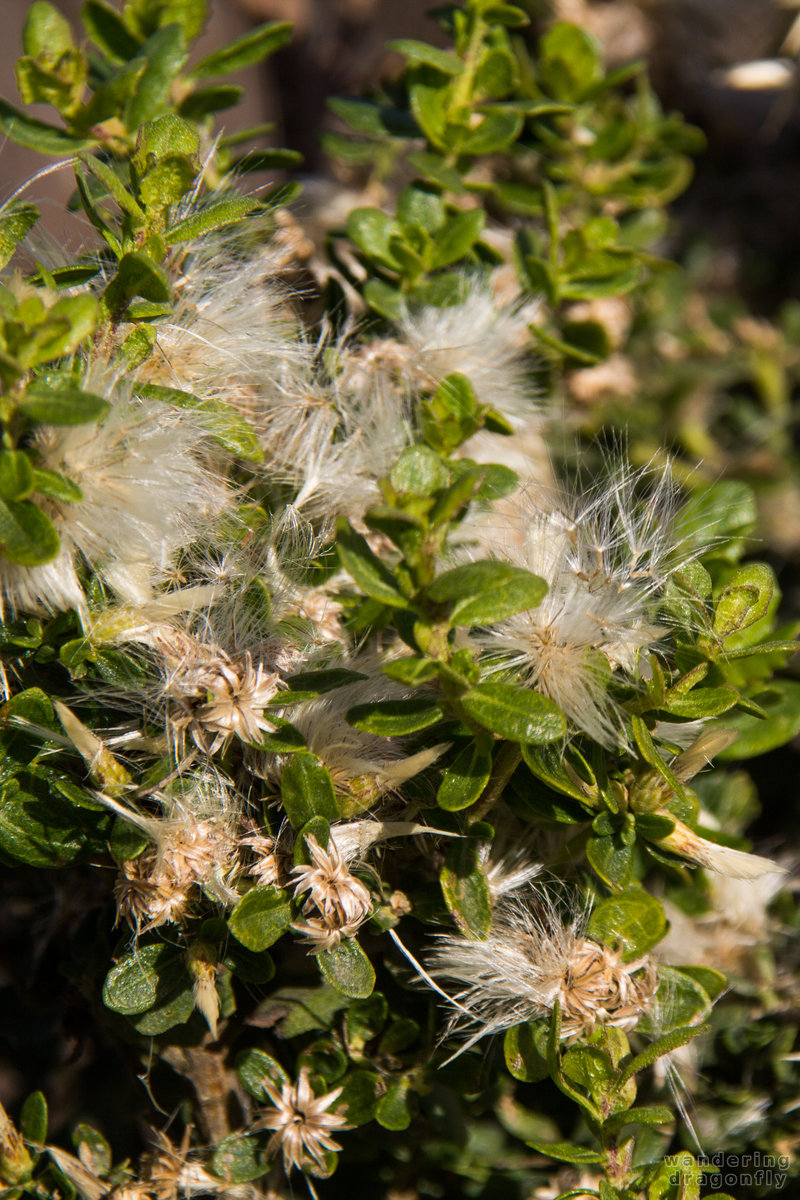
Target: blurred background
<point>730,66</point>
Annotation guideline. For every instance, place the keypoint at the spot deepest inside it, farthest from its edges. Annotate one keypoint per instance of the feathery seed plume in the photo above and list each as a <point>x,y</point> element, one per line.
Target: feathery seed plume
<point>529,960</point>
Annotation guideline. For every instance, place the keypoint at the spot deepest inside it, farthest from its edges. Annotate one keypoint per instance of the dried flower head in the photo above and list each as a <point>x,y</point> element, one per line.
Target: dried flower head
<point>214,697</point>
<point>605,559</point>
<point>194,850</point>
<point>301,1122</point>
<point>529,960</point>
<point>265,869</point>
<point>171,1173</point>
<point>342,901</point>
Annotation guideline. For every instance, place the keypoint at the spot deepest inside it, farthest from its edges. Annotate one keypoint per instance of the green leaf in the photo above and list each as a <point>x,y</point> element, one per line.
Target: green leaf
<point>253,1067</point>
<point>93,1149</point>
<point>109,32</point>
<point>386,300</point>
<point>56,486</point>
<point>347,968</point>
<point>46,32</point>
<point>781,702</point>
<point>164,53</point>
<point>719,511</point>
<point>223,423</point>
<point>744,599</point>
<point>421,208</point>
<point>166,136</point>
<point>399,1037</point>
<point>568,1152</point>
<point>174,1009</point>
<point>431,56</point>
<point>125,841</point>
<point>458,237</point>
<point>681,999</point>
<point>16,475</point>
<point>137,275</point>
<point>37,135</point>
<point>141,978</point>
<point>62,405</point>
<point>392,718</point>
<point>32,705</point>
<point>711,981</point>
<point>703,702</point>
<point>317,683</point>
<point>16,223</point>
<point>495,131</point>
<point>393,1110</point>
<point>364,1020</point>
<point>213,216</point>
<point>307,790</point>
<point>465,779</point>
<point>366,569</point>
<point>320,830</point>
<point>611,856</point>
<point>247,50</point>
<point>359,1099</point>
<point>247,965</point>
<point>299,1010</point>
<point>410,669</point>
<point>525,1052</point>
<point>633,920</point>
<point>590,1068</point>
<point>33,1118</point>
<point>419,471</point>
<point>207,100</point>
<point>113,185</point>
<point>506,14</point>
<point>42,830</point>
<point>324,1058</point>
<point>373,120</point>
<point>651,1114</point>
<point>687,592</point>
<point>372,231</point>
<point>240,1158</point>
<point>515,713</point>
<point>663,1045</point>
<point>27,535</point>
<point>112,97</point>
<point>261,917</point>
<point>571,62</point>
<point>464,884</point>
<point>549,763</point>
<point>486,592</point>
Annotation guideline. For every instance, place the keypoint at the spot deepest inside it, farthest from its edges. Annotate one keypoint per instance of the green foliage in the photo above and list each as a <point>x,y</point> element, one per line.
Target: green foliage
<point>288,744</point>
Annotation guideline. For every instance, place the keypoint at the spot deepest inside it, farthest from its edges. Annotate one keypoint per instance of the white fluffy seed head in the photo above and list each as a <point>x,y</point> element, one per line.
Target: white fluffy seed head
<point>232,325</point>
<point>531,958</point>
<point>606,557</point>
<point>146,493</point>
<point>486,343</point>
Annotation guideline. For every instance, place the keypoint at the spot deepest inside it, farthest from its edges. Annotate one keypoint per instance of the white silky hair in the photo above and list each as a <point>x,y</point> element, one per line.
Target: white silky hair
<point>512,975</point>
<point>477,338</point>
<point>605,555</point>
<point>146,492</point>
